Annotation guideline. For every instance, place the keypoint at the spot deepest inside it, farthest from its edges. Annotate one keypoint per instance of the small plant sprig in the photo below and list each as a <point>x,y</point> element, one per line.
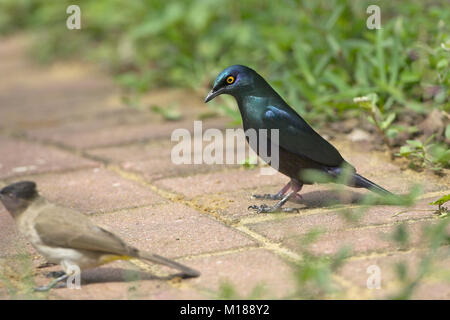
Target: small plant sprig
<point>425,155</point>
<point>250,163</point>
<point>442,211</point>
<point>381,121</point>
<point>315,273</point>
<point>435,236</point>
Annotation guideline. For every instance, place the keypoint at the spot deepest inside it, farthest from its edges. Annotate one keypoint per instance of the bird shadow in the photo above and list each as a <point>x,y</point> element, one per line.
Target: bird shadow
<point>104,275</point>
<point>331,198</point>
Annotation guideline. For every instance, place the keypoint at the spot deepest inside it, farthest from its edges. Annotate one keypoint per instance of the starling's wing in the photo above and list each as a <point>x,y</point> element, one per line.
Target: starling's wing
<point>296,136</point>
<point>64,227</point>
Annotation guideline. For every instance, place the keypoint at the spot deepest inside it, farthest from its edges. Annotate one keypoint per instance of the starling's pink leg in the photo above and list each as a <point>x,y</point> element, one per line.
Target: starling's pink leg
<point>295,186</point>
<point>277,196</point>
<point>297,197</point>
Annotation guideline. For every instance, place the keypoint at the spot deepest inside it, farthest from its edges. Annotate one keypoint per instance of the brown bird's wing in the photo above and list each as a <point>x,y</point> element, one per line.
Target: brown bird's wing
<point>64,227</point>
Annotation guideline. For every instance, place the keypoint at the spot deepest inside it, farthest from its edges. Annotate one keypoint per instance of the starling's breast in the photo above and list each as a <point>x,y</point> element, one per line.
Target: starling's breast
<point>252,110</point>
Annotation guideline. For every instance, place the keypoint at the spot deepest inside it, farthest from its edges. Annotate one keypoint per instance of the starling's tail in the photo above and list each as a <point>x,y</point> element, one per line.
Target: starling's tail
<point>361,182</point>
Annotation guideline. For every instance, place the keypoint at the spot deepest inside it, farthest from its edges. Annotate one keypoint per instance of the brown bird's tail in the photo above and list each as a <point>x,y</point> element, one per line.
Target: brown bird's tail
<point>186,272</point>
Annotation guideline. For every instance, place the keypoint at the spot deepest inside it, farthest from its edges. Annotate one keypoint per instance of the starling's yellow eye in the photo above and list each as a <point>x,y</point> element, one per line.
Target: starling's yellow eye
<point>230,79</point>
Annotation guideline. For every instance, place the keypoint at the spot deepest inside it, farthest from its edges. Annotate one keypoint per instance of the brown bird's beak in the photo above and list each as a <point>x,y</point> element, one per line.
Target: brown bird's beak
<point>212,94</point>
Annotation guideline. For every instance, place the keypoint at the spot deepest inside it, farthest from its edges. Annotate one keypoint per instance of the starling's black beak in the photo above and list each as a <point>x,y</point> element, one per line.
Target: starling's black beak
<point>212,94</point>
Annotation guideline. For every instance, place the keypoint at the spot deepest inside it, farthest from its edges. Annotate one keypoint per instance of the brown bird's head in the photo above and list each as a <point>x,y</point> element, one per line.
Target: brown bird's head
<point>18,196</point>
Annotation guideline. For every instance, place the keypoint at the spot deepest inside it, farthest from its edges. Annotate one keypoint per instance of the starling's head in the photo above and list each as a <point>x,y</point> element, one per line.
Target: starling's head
<point>234,80</point>
<point>18,196</point>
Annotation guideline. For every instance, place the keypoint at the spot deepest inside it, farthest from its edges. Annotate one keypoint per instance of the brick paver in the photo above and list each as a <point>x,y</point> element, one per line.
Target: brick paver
<point>362,240</point>
<point>151,160</point>
<point>432,288</point>
<point>10,239</point>
<point>173,230</point>
<point>21,158</point>
<point>336,220</point>
<point>95,190</point>
<point>66,128</point>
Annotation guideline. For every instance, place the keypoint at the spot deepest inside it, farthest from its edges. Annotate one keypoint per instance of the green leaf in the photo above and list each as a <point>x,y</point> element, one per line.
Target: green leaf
<point>405,150</point>
<point>373,97</point>
<point>447,132</point>
<point>415,143</point>
<point>443,63</point>
<point>441,200</point>
<point>370,119</point>
<point>387,122</point>
<point>250,163</point>
<point>442,156</point>
<point>409,77</point>
<point>304,65</point>
<point>392,132</point>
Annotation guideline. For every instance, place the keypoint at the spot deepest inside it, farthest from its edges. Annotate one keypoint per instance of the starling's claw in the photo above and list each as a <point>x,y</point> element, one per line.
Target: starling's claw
<point>266,209</point>
<point>254,207</point>
<point>262,208</point>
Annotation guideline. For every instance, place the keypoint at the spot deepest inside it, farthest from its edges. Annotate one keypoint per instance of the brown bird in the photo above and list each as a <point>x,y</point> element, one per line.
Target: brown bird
<point>69,238</point>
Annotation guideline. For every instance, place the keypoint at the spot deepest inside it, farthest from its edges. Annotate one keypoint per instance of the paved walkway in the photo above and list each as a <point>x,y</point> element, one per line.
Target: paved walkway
<point>66,128</point>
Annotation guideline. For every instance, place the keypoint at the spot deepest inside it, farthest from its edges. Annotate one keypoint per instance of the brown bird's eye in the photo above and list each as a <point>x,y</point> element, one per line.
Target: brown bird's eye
<point>230,79</point>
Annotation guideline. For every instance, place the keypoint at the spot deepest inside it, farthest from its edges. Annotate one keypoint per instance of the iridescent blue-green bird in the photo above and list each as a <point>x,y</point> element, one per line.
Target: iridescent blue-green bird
<point>300,147</point>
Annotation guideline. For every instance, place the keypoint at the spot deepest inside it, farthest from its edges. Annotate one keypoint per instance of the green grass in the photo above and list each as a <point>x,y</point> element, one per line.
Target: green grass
<point>320,54</point>
<point>17,277</point>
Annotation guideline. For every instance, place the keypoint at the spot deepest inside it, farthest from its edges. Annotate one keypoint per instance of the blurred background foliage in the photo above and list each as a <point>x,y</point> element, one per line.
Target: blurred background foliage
<point>318,54</point>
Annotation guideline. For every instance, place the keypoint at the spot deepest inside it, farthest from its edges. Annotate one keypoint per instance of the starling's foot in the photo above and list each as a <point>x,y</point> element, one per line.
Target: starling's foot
<point>54,274</point>
<point>267,196</point>
<point>259,209</point>
<point>266,209</point>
